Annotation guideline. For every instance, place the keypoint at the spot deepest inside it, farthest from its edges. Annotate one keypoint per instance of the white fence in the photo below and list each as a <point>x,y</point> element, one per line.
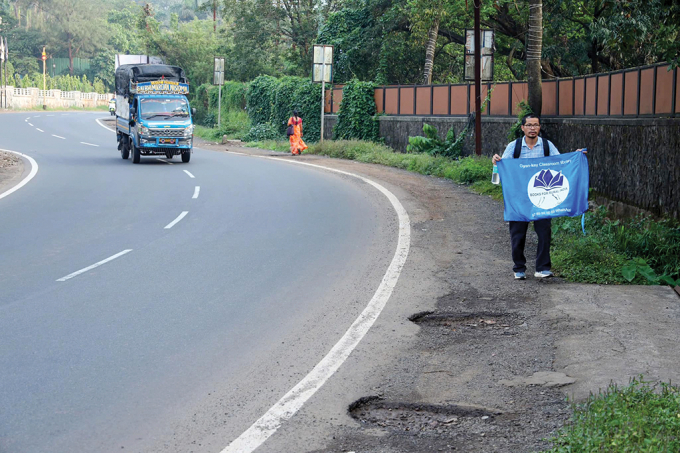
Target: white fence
<point>25,98</point>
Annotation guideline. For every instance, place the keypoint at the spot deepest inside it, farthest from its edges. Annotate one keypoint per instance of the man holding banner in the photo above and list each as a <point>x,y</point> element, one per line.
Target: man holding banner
<point>542,185</point>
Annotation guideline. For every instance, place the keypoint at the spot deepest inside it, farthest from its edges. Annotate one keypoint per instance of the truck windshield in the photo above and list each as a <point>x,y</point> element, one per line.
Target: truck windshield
<point>164,108</point>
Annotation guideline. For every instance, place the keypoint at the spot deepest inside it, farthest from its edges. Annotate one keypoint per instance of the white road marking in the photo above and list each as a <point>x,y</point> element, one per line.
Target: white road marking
<point>197,190</point>
<point>31,174</point>
<point>30,124</point>
<point>188,173</point>
<point>49,115</point>
<point>89,144</point>
<point>88,268</point>
<point>292,401</point>
<point>105,127</point>
<point>163,160</point>
<point>37,116</point>
<point>174,222</point>
<point>38,129</point>
<point>63,138</point>
<point>27,118</point>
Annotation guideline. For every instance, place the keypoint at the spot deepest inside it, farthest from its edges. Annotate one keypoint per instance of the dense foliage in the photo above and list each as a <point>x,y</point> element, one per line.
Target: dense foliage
<point>381,41</point>
<point>356,118</point>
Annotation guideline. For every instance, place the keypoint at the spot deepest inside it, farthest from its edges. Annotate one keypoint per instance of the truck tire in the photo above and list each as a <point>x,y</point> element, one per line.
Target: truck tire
<point>124,150</point>
<point>186,156</point>
<point>136,154</point>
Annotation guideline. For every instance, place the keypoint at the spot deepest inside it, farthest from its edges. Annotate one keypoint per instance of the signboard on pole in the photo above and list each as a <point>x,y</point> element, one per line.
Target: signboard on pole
<point>218,74</point>
<point>487,54</point>
<point>218,79</point>
<point>322,70</point>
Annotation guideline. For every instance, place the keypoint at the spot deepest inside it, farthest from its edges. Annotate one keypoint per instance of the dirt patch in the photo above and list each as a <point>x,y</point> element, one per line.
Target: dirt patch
<point>11,169</point>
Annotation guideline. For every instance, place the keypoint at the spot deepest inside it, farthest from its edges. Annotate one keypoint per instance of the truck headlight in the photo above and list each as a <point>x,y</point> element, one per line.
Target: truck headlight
<point>143,130</point>
<point>188,132</point>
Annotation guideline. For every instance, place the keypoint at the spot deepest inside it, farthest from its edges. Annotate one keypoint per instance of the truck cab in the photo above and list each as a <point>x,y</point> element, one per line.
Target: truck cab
<point>153,116</point>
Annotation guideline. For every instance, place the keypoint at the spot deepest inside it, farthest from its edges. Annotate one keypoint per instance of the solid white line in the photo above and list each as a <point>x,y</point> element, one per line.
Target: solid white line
<point>188,173</point>
<point>63,138</point>
<point>89,144</point>
<point>292,401</point>
<point>174,222</point>
<point>197,190</point>
<point>105,127</point>
<point>38,129</point>
<point>31,174</point>
<point>111,258</point>
<point>30,124</point>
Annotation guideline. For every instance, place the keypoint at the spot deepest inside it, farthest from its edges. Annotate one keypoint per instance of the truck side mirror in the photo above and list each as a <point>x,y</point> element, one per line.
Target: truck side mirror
<point>133,112</point>
<point>193,110</point>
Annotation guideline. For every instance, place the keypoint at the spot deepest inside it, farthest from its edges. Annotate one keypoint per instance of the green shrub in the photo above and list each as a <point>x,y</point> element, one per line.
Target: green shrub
<point>307,101</point>
<point>452,147</point>
<point>260,132</point>
<point>356,118</point>
<point>259,99</point>
<point>516,129</point>
<point>640,418</point>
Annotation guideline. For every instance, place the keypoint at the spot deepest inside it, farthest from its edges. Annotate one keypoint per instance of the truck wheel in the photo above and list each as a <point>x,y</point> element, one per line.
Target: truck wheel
<point>136,154</point>
<point>124,151</point>
<point>186,156</point>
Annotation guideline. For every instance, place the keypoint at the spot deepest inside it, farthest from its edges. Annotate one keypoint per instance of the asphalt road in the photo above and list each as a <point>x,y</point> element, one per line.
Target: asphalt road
<point>213,314</point>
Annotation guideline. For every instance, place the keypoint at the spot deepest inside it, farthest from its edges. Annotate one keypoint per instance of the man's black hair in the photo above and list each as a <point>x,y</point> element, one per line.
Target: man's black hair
<point>530,115</point>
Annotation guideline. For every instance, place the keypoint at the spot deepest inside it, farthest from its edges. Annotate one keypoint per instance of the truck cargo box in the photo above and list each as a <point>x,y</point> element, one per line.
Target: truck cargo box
<point>135,73</point>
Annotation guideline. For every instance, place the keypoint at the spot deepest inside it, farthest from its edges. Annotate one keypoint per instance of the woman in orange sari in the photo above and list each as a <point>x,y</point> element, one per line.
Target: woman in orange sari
<point>296,143</point>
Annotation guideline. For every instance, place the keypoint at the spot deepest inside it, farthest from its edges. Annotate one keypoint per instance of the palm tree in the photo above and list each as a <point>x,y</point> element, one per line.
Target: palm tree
<point>534,46</point>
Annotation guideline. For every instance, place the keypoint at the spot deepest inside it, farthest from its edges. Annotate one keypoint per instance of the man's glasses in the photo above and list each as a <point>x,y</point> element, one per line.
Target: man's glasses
<point>532,126</point>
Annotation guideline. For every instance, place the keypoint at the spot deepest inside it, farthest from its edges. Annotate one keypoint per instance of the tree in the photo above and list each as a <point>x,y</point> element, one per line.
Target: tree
<point>534,48</point>
<point>77,26</point>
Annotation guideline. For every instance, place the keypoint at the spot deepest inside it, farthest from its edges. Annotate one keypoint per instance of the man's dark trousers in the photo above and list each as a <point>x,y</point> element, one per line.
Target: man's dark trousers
<point>518,237</point>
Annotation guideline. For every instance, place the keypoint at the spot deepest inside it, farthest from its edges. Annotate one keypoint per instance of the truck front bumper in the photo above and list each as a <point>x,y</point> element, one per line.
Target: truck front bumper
<point>164,146</point>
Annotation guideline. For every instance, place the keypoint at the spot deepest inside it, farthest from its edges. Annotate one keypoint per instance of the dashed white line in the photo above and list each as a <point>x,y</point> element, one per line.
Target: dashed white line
<point>88,268</point>
<point>165,161</point>
<point>197,190</point>
<point>174,222</point>
<point>39,130</point>
<point>189,173</point>
<point>63,138</point>
<point>292,401</point>
<point>31,174</point>
<point>27,119</point>
<point>89,144</point>
<point>30,124</point>
<point>49,115</point>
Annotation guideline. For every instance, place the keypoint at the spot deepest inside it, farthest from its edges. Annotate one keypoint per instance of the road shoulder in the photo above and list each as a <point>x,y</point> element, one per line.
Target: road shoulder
<point>11,170</point>
<point>466,358</point>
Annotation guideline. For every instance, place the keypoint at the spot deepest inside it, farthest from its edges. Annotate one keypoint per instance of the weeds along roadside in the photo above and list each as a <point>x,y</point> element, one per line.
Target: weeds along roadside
<point>636,251</point>
<point>640,417</point>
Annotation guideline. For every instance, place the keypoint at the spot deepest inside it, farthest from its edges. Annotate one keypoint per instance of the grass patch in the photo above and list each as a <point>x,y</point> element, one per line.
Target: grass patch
<point>640,417</point>
<point>235,125</point>
<point>640,251</point>
<point>282,146</point>
<point>474,171</point>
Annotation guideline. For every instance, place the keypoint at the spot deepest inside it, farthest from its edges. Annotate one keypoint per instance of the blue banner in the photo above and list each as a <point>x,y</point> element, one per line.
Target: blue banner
<point>545,187</point>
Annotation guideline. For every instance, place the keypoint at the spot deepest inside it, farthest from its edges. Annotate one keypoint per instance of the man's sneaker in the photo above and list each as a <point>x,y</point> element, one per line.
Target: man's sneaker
<point>520,275</point>
<point>543,274</point>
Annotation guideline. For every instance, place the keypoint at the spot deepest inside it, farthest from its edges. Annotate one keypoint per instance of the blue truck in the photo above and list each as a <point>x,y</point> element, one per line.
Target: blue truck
<point>153,116</point>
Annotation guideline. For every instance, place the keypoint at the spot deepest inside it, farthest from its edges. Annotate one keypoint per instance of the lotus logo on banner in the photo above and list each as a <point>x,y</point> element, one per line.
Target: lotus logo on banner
<point>546,187</point>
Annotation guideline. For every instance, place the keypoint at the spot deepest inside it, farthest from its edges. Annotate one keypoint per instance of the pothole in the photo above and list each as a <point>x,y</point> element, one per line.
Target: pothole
<point>415,418</point>
<point>502,322</point>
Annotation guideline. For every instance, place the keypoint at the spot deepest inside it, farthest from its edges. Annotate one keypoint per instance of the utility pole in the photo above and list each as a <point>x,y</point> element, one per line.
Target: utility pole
<point>2,62</point>
<point>478,79</point>
<point>44,60</point>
